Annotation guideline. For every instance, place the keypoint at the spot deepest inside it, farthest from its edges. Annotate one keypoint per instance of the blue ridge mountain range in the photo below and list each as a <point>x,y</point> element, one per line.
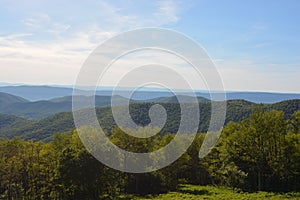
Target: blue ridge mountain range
<point>37,112</point>
<point>37,102</point>
<point>36,93</point>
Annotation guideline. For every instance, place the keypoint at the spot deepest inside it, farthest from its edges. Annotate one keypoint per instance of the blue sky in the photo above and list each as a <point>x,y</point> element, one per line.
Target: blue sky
<point>255,44</point>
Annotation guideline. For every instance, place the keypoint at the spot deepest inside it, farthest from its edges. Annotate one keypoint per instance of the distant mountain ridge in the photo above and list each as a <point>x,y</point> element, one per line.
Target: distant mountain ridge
<point>35,93</point>
<point>36,110</point>
<point>174,99</point>
<point>6,99</point>
<point>44,129</point>
<point>40,109</point>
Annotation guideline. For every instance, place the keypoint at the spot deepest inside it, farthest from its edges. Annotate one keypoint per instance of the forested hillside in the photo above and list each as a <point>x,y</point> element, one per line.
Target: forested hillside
<point>37,110</point>
<point>8,99</point>
<point>237,110</point>
<point>260,153</point>
<point>11,123</point>
<point>41,109</point>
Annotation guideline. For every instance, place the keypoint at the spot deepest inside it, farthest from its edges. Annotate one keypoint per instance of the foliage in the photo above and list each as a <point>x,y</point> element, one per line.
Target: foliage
<point>258,153</point>
<point>194,192</point>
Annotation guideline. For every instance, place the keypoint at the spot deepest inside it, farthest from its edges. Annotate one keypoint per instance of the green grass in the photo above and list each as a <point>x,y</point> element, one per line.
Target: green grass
<point>209,192</point>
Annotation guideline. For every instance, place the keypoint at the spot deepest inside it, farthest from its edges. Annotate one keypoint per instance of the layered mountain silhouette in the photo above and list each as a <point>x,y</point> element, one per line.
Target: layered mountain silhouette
<point>40,120</point>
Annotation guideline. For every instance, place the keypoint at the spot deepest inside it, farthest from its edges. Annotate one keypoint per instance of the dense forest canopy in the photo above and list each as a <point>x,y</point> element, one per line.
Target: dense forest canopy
<point>258,153</point>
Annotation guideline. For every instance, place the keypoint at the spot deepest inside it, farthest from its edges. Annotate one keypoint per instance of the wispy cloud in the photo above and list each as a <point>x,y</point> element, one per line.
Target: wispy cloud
<point>48,41</point>
<point>42,22</point>
<point>164,12</point>
<point>168,12</point>
<point>58,59</point>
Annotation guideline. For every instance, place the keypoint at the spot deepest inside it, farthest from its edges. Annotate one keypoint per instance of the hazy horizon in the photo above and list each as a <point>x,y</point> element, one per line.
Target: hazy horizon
<point>151,89</point>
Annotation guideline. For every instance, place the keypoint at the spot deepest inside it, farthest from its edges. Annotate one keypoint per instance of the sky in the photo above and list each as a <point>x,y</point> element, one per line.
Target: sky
<point>255,45</point>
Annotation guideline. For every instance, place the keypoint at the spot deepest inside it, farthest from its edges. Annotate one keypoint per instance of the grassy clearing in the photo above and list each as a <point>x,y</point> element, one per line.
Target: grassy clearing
<point>209,192</point>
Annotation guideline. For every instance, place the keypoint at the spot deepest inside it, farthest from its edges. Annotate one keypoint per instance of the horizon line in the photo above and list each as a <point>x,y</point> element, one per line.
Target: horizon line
<point>149,89</point>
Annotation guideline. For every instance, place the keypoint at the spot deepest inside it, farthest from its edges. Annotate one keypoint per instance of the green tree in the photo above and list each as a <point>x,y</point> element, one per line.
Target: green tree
<point>256,147</point>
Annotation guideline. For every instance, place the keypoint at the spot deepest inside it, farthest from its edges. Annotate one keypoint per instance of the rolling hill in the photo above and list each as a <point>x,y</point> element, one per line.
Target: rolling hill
<point>7,99</point>
<point>12,124</point>
<point>173,99</point>
<point>37,93</point>
<point>41,109</point>
<point>44,129</point>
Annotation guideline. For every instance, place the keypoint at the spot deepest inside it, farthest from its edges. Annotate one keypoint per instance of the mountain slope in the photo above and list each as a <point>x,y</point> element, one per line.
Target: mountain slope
<point>237,110</point>
<point>42,109</point>
<point>45,128</point>
<point>174,99</point>
<point>10,124</point>
<point>6,99</point>
<point>36,93</point>
<point>256,97</point>
<point>288,106</point>
<point>36,110</point>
